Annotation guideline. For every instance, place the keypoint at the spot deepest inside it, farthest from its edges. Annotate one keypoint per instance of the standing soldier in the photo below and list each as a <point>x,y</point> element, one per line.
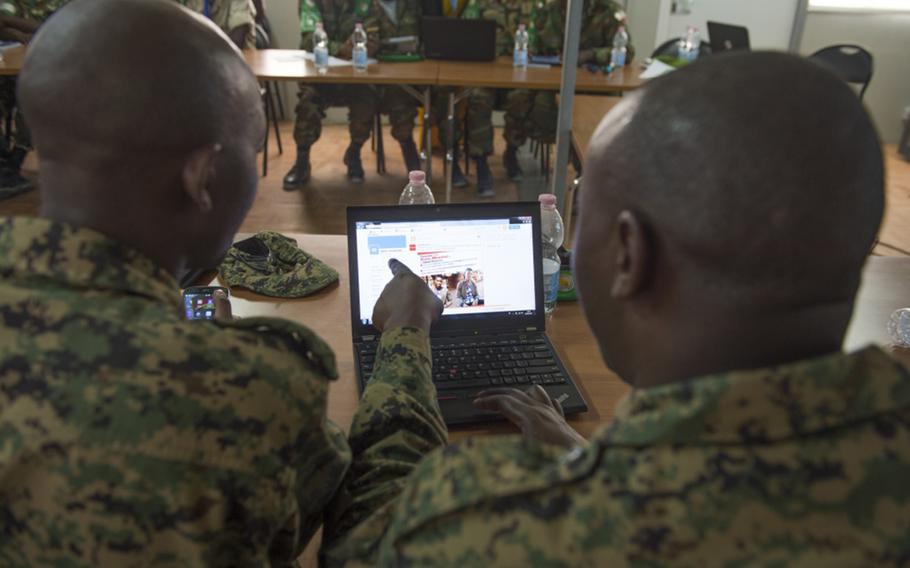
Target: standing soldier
<point>533,114</point>
<point>338,18</point>
<point>236,18</point>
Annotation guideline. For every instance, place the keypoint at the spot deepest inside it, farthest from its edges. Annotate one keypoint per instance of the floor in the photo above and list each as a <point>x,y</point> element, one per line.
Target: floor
<point>320,207</point>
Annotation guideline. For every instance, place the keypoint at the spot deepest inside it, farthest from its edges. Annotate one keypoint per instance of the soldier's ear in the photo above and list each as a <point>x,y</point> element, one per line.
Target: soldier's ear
<point>197,175</point>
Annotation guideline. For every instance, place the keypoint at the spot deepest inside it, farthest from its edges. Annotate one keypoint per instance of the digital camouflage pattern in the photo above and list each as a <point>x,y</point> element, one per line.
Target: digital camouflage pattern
<point>397,422</point>
<point>284,270</point>
<point>38,10</point>
<point>338,18</point>
<point>228,15</point>
<point>801,464</point>
<point>130,436</point>
<point>531,114</point>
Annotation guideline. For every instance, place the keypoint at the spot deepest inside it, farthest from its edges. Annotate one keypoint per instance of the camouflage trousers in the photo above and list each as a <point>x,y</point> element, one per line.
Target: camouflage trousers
<point>530,114</point>
<point>479,103</point>
<point>21,134</point>
<point>363,102</point>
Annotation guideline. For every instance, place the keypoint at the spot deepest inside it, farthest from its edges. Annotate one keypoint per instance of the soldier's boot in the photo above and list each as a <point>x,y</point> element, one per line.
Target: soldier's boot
<point>410,155</point>
<point>458,179</point>
<point>510,161</point>
<point>484,177</point>
<point>299,174</point>
<point>355,166</point>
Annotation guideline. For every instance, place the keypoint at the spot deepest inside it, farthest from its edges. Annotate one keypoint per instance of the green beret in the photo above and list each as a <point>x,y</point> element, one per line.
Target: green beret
<point>272,264</point>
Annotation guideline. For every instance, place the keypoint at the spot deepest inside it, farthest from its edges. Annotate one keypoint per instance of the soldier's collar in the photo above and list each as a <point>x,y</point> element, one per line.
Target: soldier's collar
<point>39,249</point>
<point>763,405</point>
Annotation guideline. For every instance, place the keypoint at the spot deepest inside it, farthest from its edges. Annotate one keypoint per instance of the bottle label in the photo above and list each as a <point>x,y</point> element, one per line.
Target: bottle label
<point>360,58</point>
<point>618,58</point>
<point>520,58</point>
<point>321,57</point>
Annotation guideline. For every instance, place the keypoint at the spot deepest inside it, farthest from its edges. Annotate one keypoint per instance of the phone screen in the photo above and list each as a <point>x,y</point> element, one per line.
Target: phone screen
<point>199,302</point>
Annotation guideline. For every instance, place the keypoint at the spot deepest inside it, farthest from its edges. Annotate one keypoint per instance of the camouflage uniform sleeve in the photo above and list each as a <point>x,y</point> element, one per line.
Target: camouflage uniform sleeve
<point>396,424</point>
<point>309,17</point>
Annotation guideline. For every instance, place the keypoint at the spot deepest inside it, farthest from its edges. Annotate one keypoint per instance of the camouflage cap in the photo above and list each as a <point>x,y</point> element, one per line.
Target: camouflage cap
<point>272,264</point>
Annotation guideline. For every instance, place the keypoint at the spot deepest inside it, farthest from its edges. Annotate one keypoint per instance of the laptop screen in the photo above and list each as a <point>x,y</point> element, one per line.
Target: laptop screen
<point>480,268</point>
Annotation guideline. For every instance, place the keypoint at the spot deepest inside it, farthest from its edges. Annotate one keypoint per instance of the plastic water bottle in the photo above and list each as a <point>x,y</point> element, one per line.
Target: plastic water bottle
<point>552,234</point>
<point>620,48</point>
<point>689,45</point>
<point>520,56</point>
<point>359,54</point>
<point>321,48</point>
<point>899,327</point>
<point>417,192</point>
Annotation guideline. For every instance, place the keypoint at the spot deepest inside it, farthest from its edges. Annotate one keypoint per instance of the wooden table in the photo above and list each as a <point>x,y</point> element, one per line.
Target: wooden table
<point>289,65</point>
<point>502,75</point>
<point>587,112</point>
<point>886,287</point>
<point>12,60</point>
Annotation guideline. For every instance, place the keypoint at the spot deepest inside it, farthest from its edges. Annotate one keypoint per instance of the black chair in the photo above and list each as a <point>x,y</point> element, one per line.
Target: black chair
<point>671,48</point>
<point>850,62</point>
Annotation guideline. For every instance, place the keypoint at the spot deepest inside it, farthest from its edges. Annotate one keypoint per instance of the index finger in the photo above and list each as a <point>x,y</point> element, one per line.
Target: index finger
<point>397,267</point>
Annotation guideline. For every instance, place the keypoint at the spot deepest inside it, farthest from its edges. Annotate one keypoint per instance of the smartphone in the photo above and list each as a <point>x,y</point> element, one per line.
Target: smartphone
<point>199,301</point>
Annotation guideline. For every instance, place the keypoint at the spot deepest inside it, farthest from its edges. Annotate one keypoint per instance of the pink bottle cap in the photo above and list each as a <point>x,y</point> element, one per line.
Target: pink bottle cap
<point>547,199</point>
<point>417,176</point>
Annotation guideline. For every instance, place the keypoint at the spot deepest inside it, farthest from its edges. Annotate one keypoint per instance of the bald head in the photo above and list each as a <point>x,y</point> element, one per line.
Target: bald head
<point>735,201</point>
<point>128,75</point>
<point>147,122</point>
<point>761,168</point>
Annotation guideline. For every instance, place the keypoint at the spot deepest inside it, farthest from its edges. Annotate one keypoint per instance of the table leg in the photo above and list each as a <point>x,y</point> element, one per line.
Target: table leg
<point>427,156</point>
<point>450,145</point>
<point>428,133</point>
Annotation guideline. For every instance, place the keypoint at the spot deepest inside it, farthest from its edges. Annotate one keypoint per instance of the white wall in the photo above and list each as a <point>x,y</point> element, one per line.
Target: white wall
<point>643,16</point>
<point>769,21</point>
<point>285,22</point>
<point>887,37</point>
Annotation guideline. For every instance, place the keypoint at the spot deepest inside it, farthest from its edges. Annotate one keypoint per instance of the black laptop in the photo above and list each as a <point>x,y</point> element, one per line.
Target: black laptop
<point>484,262</point>
<point>457,39</point>
<point>726,37</point>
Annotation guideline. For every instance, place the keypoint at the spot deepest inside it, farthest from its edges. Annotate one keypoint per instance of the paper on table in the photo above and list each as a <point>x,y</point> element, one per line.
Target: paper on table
<point>333,61</point>
<point>656,69</point>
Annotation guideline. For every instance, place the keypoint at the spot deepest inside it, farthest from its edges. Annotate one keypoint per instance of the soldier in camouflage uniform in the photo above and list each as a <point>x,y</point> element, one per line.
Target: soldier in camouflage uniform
<point>19,20</point>
<point>533,114</point>
<point>508,14</point>
<point>338,18</point>
<point>236,18</point>
<point>131,436</point>
<point>749,438</point>
<point>479,102</point>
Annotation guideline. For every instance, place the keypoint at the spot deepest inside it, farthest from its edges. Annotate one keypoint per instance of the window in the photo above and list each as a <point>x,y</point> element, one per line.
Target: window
<point>860,5</point>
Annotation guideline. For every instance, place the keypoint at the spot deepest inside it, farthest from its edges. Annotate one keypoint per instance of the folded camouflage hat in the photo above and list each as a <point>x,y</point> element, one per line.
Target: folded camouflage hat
<point>271,264</point>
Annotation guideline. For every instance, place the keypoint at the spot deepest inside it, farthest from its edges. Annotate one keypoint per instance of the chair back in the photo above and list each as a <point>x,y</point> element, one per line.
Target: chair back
<point>852,63</point>
<point>671,48</point>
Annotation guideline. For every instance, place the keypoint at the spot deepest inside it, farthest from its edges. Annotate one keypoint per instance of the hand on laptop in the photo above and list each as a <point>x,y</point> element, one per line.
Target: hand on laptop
<point>406,301</point>
<point>537,415</point>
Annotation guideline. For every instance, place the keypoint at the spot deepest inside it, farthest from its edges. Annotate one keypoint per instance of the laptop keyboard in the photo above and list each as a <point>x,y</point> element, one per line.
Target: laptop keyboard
<point>478,363</point>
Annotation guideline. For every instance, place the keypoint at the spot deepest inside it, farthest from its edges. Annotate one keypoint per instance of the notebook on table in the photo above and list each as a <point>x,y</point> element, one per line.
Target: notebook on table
<point>484,262</point>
